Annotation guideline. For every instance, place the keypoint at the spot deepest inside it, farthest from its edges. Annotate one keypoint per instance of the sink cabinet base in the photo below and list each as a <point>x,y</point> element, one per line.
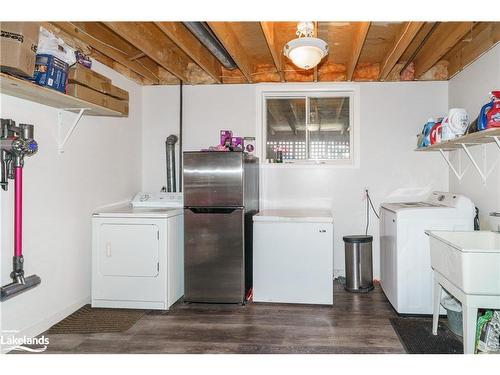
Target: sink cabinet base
<point>470,305</point>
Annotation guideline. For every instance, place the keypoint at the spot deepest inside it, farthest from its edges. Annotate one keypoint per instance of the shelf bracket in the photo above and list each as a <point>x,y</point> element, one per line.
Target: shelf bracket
<point>458,175</point>
<point>496,138</point>
<point>62,140</point>
<point>473,161</point>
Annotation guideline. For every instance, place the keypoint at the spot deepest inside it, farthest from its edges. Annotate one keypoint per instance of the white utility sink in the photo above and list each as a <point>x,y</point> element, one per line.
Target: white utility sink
<point>469,260</point>
<point>467,265</point>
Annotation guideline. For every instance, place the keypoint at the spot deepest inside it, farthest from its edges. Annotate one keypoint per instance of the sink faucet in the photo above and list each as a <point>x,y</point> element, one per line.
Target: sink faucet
<point>496,215</point>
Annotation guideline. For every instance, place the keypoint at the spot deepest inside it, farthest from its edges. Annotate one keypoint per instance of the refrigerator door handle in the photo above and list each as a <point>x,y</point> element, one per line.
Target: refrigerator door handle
<point>213,210</point>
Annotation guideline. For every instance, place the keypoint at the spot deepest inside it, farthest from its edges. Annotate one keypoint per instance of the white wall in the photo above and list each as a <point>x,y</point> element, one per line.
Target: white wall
<point>470,90</point>
<point>391,115</point>
<point>160,118</point>
<point>101,165</point>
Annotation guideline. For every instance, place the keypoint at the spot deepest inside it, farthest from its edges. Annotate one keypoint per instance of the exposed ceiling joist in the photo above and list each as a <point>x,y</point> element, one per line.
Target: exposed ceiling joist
<point>106,48</point>
<point>274,47</point>
<point>164,75</point>
<point>356,47</point>
<point>147,37</point>
<point>186,41</point>
<point>149,52</point>
<point>315,34</point>
<point>484,36</point>
<point>123,70</point>
<point>403,40</point>
<point>446,35</point>
<point>229,40</point>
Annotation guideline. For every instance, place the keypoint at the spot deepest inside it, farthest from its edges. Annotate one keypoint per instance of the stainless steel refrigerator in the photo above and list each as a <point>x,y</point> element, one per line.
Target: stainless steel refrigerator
<point>221,195</point>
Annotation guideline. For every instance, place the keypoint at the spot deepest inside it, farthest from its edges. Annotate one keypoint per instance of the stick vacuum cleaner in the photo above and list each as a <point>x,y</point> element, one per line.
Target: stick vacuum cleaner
<point>16,142</point>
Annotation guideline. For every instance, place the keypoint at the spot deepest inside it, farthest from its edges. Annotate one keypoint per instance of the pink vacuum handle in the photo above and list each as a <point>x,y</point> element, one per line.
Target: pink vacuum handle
<point>18,211</point>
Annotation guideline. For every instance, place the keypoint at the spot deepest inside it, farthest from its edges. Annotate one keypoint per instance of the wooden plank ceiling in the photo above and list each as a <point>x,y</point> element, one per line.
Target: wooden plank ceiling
<point>163,53</point>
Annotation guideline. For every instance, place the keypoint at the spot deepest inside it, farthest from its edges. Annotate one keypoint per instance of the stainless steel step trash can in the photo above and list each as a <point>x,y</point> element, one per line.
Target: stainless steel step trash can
<point>358,263</point>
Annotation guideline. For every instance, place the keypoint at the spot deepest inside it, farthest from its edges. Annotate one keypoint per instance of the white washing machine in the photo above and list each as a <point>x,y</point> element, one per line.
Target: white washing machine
<point>138,253</point>
<point>405,264</point>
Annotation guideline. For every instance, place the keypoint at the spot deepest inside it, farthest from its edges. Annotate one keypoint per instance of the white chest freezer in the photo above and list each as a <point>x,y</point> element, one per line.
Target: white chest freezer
<point>293,256</point>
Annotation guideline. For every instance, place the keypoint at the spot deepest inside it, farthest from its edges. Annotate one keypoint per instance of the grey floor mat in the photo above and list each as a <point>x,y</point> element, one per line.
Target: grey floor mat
<point>97,320</point>
<point>416,336</point>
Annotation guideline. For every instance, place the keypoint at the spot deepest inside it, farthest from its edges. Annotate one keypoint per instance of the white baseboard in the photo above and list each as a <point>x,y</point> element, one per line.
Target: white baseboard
<point>45,324</point>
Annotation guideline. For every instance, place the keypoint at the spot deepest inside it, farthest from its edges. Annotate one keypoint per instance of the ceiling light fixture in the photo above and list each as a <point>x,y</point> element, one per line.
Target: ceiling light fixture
<point>306,51</point>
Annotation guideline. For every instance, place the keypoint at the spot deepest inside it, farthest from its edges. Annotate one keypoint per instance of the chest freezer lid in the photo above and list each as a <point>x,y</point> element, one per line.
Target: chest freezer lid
<point>295,215</point>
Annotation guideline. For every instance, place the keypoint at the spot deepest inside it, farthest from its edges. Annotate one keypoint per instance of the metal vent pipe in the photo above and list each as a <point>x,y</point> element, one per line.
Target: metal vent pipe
<point>170,157</point>
<point>203,33</point>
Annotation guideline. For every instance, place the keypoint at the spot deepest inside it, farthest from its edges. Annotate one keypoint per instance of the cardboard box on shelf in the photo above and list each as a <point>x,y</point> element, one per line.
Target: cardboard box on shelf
<point>96,97</point>
<point>51,72</point>
<point>87,77</point>
<point>18,43</point>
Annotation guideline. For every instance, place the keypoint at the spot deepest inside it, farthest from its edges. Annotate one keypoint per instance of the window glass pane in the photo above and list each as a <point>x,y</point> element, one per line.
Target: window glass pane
<point>329,128</point>
<point>286,128</point>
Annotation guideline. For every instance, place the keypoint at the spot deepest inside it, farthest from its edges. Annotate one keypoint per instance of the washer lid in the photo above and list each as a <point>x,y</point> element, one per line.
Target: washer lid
<point>129,211</point>
<point>297,215</point>
<point>394,207</point>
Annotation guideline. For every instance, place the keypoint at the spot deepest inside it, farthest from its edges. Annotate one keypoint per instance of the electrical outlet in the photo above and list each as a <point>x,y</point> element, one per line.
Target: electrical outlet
<point>365,189</point>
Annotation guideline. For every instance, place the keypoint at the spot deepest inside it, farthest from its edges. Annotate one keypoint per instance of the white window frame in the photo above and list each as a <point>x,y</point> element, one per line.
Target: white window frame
<point>303,91</point>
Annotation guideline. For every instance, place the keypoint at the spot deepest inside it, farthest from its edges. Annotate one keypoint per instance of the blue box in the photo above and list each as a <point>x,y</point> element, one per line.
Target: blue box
<point>51,72</point>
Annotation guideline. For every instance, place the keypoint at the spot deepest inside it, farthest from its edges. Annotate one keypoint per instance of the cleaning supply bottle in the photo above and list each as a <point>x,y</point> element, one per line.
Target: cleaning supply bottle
<point>435,136</point>
<point>489,116</point>
<point>426,133</point>
<point>493,115</point>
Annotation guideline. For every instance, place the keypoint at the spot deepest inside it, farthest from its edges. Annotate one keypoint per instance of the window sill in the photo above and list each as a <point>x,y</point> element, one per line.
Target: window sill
<point>311,165</point>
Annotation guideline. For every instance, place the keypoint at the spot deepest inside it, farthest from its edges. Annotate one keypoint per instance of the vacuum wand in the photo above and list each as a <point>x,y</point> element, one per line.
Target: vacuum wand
<point>18,211</point>
<point>16,143</point>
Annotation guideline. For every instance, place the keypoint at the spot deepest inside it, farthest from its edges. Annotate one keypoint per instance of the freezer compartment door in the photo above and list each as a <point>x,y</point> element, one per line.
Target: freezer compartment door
<point>214,255</point>
<point>213,179</point>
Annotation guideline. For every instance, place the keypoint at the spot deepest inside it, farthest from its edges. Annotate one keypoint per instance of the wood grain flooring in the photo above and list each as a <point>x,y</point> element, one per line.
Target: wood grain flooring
<point>357,323</point>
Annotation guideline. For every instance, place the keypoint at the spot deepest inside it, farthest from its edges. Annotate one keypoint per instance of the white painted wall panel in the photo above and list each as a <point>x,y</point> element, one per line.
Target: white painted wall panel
<point>101,164</point>
<point>470,90</point>
<point>391,114</point>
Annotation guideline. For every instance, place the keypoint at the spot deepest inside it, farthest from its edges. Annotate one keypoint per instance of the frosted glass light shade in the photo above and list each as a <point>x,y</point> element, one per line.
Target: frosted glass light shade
<point>307,52</point>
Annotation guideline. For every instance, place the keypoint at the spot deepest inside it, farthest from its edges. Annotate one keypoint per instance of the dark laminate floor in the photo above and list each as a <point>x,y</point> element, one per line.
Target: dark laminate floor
<point>358,323</point>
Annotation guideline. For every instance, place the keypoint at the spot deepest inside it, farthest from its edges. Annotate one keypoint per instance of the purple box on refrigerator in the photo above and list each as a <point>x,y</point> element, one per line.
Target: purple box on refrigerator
<point>51,72</point>
<point>237,143</point>
<point>226,137</point>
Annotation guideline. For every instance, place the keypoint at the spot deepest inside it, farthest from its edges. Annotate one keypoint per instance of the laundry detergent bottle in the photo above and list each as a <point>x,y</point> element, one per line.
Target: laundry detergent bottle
<point>435,136</point>
<point>493,115</point>
<point>426,133</point>
<point>489,117</point>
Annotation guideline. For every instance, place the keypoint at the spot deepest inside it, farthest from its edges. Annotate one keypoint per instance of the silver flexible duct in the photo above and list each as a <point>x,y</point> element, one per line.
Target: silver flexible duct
<point>170,157</point>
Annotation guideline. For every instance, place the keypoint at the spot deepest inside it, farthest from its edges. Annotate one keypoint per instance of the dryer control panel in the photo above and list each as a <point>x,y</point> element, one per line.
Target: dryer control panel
<point>451,200</point>
<point>142,199</point>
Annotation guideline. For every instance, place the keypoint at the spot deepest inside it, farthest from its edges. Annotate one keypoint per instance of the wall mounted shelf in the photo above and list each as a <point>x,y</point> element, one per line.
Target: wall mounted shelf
<point>27,90</point>
<point>478,138</point>
<point>464,143</point>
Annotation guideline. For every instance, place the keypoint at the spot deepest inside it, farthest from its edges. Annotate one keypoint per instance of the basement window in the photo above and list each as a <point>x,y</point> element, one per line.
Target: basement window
<point>304,128</point>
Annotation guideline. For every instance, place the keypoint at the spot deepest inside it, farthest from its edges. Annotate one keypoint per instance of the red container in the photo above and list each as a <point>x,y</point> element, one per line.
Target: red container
<point>435,135</point>
<point>493,114</point>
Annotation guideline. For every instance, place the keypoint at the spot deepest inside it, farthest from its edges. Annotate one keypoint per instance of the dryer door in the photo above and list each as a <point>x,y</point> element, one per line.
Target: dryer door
<point>128,250</point>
